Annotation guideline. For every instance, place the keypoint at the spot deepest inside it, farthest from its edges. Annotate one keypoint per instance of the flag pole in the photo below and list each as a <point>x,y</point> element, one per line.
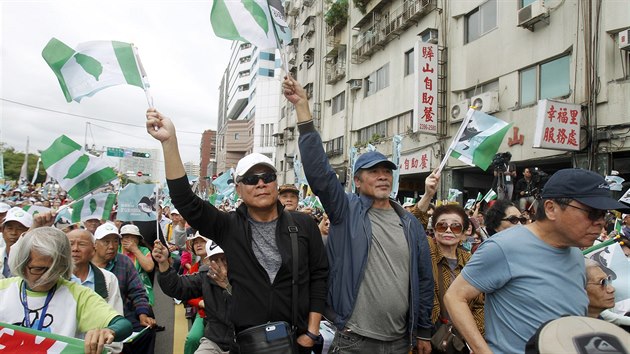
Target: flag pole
<point>279,45</point>
<point>458,136</point>
<point>145,81</point>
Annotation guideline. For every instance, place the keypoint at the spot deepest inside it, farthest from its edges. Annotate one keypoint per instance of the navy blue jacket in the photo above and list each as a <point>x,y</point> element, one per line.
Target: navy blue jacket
<point>350,239</point>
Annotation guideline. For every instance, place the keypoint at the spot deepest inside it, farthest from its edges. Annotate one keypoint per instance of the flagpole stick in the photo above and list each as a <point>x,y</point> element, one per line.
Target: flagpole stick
<point>145,81</point>
<point>279,44</point>
<point>458,136</point>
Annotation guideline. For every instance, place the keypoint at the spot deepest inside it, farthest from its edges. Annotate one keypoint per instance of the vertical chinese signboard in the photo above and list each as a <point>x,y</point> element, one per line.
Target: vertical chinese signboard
<point>558,126</point>
<point>425,103</point>
<point>416,162</point>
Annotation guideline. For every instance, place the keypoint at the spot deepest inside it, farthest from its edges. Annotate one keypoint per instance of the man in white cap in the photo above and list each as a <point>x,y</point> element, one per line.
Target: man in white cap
<point>135,300</point>
<point>16,222</point>
<point>91,222</point>
<point>256,239</point>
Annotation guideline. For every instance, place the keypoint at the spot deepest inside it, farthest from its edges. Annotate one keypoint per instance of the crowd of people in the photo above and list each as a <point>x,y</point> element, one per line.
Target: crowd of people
<point>363,274</point>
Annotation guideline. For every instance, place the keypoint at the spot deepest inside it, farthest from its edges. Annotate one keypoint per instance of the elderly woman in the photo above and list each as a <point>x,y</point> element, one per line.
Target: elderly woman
<point>502,215</point>
<point>42,297</point>
<point>134,247</point>
<point>450,223</point>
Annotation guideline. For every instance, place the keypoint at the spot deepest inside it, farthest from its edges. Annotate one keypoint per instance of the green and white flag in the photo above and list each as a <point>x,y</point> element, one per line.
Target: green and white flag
<point>35,209</point>
<point>77,172</point>
<point>479,197</point>
<point>93,66</point>
<point>491,195</point>
<point>98,206</point>
<point>251,21</point>
<point>478,141</point>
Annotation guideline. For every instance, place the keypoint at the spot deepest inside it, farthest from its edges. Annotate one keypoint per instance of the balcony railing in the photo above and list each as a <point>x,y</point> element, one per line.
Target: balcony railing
<point>335,72</point>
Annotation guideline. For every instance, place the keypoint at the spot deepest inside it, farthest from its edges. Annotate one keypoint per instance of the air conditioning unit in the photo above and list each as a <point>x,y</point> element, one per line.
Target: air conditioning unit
<point>532,13</point>
<point>458,110</point>
<point>429,35</point>
<point>487,102</point>
<point>308,57</point>
<point>355,84</point>
<point>624,40</point>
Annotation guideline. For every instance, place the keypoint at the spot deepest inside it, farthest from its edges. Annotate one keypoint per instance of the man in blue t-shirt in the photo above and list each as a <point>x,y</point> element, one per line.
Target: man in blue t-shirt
<point>534,273</point>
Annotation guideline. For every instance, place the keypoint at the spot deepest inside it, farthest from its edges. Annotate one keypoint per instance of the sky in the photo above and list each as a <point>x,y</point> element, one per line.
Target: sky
<point>183,59</point>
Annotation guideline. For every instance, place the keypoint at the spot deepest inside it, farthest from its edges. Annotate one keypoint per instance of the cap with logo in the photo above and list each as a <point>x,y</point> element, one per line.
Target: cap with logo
<point>371,159</point>
<point>4,207</point>
<point>130,229</point>
<point>251,160</point>
<point>587,187</point>
<point>105,230</point>
<point>212,248</point>
<point>19,215</point>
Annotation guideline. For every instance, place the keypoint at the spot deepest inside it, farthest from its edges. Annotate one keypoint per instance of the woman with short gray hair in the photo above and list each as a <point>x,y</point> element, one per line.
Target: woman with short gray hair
<point>42,297</point>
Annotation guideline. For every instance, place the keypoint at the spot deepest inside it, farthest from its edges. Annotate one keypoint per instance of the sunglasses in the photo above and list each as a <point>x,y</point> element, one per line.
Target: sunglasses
<point>513,219</point>
<point>252,180</point>
<point>592,214</point>
<point>455,227</point>
<point>602,283</point>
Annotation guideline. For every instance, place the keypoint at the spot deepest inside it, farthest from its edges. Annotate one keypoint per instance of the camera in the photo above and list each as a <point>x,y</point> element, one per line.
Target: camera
<point>501,160</point>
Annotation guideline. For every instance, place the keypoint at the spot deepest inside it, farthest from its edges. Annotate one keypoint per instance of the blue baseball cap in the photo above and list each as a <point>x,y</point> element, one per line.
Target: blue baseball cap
<point>371,159</point>
<point>587,187</point>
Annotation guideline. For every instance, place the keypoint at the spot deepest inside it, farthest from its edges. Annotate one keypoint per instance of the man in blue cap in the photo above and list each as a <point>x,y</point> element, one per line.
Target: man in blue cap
<point>380,283</point>
<point>534,273</point>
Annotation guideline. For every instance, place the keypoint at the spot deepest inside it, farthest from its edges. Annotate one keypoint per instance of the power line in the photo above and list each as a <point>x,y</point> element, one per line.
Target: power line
<point>85,117</point>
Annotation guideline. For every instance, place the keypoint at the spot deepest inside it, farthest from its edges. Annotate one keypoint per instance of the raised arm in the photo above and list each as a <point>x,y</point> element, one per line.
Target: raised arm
<point>163,130</point>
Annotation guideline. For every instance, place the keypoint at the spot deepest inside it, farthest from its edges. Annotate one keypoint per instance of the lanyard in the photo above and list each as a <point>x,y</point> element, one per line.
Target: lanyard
<point>40,321</point>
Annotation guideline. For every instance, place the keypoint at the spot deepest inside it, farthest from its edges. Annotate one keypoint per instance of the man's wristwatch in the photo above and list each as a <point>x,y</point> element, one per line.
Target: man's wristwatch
<point>316,338</point>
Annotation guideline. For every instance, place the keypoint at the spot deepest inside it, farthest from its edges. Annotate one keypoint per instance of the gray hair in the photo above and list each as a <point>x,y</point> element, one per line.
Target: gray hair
<point>47,241</point>
<point>591,264</point>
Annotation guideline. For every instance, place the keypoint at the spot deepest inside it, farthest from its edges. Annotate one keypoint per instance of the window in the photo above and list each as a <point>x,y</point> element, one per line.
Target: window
<point>369,133</point>
<point>245,59</point>
<point>480,20</point>
<point>339,102</point>
<point>267,56</point>
<point>377,80</point>
<point>245,45</point>
<point>479,89</point>
<point>526,3</point>
<point>236,136</point>
<point>334,147</point>
<point>409,68</point>
<point>550,79</point>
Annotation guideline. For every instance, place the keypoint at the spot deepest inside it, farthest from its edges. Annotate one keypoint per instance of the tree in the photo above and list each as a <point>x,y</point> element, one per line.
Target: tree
<point>13,161</point>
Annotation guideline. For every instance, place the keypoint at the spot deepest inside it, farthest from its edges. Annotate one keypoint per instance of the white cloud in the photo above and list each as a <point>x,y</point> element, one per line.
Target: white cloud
<point>183,59</point>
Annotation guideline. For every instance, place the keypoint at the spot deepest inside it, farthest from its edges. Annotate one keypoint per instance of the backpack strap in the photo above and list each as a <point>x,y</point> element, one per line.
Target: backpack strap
<point>293,233</point>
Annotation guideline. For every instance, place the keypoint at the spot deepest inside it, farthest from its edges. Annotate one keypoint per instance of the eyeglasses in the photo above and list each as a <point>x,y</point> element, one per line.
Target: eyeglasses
<point>593,214</point>
<point>455,227</point>
<point>602,283</point>
<point>252,180</point>
<point>37,270</point>
<point>513,219</point>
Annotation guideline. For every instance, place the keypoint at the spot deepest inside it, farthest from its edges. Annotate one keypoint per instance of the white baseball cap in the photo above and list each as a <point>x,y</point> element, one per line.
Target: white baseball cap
<point>130,229</point>
<point>212,248</point>
<point>407,204</point>
<point>4,207</point>
<point>19,215</point>
<point>174,211</point>
<point>105,230</point>
<point>197,235</point>
<point>251,160</point>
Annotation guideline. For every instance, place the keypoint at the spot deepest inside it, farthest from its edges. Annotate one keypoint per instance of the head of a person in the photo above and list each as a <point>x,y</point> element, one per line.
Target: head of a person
<point>82,246</point>
<point>449,223</point>
<point>574,202</point>
<point>4,208</point>
<point>255,178</point>
<point>214,252</point>
<point>289,196</point>
<point>625,219</point>
<point>197,244</point>
<point>41,258</point>
<point>502,215</point>
<point>527,173</point>
<point>407,205</point>
<point>176,216</point>
<point>132,233</point>
<point>91,223</point>
<point>16,222</point>
<point>107,241</point>
<point>601,293</point>
<point>373,175</point>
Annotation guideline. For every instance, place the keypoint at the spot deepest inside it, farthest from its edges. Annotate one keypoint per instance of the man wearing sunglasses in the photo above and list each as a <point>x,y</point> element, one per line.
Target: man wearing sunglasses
<point>256,241</point>
<point>534,273</point>
<point>381,291</point>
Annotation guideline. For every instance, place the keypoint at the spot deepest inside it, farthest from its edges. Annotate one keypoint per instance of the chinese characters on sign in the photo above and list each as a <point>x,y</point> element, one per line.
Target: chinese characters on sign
<point>417,162</point>
<point>558,126</point>
<point>425,103</point>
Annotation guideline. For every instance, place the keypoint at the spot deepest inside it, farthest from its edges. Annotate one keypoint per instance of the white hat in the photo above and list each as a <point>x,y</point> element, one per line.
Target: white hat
<point>4,207</point>
<point>130,229</point>
<point>251,160</point>
<point>197,235</point>
<point>623,216</point>
<point>105,230</point>
<point>19,215</point>
<point>174,211</point>
<point>212,248</point>
<point>407,204</point>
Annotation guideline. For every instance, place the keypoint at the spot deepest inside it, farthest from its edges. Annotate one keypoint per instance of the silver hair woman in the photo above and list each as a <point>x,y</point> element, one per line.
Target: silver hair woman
<point>49,244</point>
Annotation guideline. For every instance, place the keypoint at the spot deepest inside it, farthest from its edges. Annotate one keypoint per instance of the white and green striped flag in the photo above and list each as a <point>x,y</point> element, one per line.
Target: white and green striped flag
<point>35,209</point>
<point>77,172</point>
<point>98,206</point>
<point>93,66</point>
<point>251,21</point>
<point>479,197</point>
<point>491,195</point>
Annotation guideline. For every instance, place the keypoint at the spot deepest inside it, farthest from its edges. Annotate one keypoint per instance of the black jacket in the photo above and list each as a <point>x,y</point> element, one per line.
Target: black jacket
<point>217,326</point>
<point>254,299</point>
